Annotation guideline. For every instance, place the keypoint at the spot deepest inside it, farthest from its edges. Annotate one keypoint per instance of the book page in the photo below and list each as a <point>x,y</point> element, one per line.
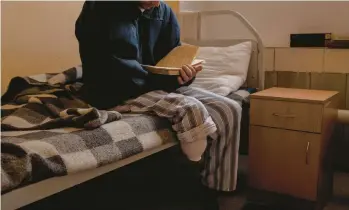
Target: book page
<point>179,56</point>
<point>169,70</point>
<point>163,70</point>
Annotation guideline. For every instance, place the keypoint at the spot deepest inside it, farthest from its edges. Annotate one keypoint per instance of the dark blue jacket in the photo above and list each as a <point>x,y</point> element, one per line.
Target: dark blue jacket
<point>114,39</point>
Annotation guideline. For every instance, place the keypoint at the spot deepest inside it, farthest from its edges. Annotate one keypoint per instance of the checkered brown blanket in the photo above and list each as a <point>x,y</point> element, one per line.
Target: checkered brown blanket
<point>48,131</point>
<point>49,101</point>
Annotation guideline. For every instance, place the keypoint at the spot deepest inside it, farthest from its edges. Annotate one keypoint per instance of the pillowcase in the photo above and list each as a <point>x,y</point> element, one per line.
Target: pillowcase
<point>225,68</point>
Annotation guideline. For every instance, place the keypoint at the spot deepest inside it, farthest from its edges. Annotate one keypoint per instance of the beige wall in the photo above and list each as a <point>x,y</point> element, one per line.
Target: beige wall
<point>37,37</point>
<point>309,68</point>
<point>275,20</point>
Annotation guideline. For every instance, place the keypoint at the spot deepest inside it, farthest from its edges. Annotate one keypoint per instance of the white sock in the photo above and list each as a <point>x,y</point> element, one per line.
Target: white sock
<point>194,150</point>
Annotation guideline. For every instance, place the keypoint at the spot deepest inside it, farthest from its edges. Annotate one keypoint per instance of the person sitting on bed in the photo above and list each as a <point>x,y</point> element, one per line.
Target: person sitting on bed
<point>115,38</point>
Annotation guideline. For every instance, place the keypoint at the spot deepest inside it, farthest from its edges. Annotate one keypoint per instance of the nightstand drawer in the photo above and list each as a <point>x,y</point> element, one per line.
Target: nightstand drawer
<point>287,115</point>
<point>284,161</point>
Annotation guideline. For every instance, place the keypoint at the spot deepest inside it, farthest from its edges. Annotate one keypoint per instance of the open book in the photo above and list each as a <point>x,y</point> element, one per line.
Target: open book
<point>172,63</point>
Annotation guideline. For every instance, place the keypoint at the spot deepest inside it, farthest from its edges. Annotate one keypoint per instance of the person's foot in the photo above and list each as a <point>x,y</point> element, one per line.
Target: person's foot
<point>194,150</point>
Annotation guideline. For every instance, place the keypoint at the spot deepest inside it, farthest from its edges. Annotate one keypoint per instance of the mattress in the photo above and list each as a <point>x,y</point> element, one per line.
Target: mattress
<point>72,150</point>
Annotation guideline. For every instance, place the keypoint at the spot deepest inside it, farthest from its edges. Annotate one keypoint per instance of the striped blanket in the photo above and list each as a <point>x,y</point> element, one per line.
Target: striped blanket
<point>48,131</point>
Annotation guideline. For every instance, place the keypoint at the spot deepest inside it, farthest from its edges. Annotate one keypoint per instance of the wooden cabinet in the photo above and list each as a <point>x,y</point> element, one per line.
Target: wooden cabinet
<point>289,141</point>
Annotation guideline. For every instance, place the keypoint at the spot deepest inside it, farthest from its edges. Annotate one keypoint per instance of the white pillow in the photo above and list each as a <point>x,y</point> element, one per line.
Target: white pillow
<point>225,68</point>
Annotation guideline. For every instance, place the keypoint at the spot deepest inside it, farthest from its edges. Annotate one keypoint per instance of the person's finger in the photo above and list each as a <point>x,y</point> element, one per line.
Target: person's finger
<point>198,68</point>
<point>180,80</point>
<point>188,71</point>
<point>193,70</point>
<point>184,75</point>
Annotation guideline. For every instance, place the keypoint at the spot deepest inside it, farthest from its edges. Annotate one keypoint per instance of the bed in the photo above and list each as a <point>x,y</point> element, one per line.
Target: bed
<point>138,135</point>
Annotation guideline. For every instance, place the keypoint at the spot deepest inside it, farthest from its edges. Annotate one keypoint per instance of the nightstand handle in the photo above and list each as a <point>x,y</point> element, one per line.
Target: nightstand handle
<point>307,152</point>
<point>284,115</point>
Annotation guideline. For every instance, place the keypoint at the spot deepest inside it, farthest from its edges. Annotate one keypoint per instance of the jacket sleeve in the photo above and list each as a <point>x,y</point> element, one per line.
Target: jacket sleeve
<point>169,39</point>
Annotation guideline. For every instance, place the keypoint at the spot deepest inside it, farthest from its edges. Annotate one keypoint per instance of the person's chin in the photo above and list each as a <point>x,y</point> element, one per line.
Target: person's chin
<point>157,4</point>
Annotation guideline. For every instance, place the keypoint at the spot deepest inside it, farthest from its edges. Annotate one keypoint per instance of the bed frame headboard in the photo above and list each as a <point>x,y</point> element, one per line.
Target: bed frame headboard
<point>193,35</point>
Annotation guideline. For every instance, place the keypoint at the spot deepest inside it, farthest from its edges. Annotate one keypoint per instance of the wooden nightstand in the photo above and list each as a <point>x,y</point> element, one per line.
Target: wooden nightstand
<point>289,140</point>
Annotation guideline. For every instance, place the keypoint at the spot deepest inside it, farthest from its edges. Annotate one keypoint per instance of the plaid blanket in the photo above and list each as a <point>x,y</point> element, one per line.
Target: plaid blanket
<point>31,156</point>
<point>50,132</point>
<point>49,101</point>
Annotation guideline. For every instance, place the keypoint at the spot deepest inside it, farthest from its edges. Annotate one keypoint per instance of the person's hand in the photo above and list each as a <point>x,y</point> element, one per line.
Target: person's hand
<point>188,72</point>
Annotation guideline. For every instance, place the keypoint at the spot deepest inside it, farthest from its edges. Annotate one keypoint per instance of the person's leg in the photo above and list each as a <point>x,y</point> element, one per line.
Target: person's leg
<point>189,118</point>
<point>195,115</point>
<point>221,157</point>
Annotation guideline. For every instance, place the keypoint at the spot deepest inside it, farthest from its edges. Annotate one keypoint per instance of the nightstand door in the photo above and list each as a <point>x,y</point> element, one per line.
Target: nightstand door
<point>284,161</point>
